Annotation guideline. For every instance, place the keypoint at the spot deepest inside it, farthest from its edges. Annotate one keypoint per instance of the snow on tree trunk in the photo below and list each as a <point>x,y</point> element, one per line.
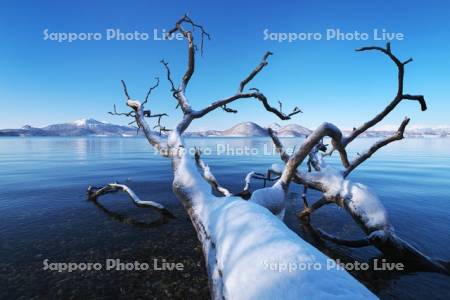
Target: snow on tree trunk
<point>251,254</point>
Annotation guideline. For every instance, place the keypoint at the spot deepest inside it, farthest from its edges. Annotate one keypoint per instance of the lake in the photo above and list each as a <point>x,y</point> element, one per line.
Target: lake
<point>45,214</point>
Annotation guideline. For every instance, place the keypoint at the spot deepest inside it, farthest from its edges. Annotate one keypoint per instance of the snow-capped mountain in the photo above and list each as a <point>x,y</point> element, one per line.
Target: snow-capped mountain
<point>249,129</point>
<point>83,127</point>
<point>440,131</point>
<point>411,133</point>
<point>91,127</point>
<point>88,127</point>
<point>239,130</point>
<point>87,123</point>
<point>245,129</point>
<point>293,130</point>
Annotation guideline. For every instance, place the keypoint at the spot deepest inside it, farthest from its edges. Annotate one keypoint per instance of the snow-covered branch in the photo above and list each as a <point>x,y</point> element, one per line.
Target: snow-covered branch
<point>209,176</point>
<point>365,209</point>
<point>94,193</point>
<point>154,139</point>
<point>297,177</point>
<point>326,129</point>
<point>246,192</point>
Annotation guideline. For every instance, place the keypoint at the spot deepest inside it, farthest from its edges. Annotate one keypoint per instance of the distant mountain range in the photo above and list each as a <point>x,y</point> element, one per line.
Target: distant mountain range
<point>249,129</point>
<point>411,133</point>
<point>84,127</point>
<point>91,127</point>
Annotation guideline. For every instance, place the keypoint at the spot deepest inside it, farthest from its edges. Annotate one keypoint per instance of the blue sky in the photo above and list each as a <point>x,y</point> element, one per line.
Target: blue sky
<point>43,82</point>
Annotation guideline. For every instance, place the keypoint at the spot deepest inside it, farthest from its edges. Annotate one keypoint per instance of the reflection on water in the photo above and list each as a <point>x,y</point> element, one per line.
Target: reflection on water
<point>122,218</point>
<point>45,214</point>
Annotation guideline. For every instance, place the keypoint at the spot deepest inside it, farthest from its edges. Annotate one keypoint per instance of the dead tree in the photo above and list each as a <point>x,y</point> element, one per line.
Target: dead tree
<point>240,239</point>
<point>363,206</point>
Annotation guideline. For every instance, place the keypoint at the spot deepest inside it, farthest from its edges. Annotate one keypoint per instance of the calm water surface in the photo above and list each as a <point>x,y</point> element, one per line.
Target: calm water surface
<point>45,215</point>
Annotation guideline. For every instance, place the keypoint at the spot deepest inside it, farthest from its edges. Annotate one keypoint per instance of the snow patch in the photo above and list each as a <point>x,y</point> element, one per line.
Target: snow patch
<point>329,177</point>
<point>366,204</point>
<point>362,201</point>
<point>273,198</point>
<point>277,168</point>
<point>87,122</point>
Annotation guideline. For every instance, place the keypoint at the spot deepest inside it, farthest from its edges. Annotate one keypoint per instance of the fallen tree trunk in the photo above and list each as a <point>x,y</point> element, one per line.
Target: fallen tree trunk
<point>249,252</point>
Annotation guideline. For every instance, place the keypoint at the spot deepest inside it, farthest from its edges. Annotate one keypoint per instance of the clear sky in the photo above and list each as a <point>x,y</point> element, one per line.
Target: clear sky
<point>44,81</point>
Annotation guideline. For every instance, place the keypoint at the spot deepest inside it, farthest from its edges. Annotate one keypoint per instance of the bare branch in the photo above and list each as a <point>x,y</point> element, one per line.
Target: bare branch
<point>178,94</point>
<point>278,146</point>
<point>150,90</point>
<point>308,210</point>
<point>407,61</point>
<point>94,193</point>
<point>125,90</point>
<point>116,113</point>
<point>158,124</point>
<point>229,110</point>
<point>255,95</point>
<point>161,129</point>
<point>186,19</point>
<point>169,78</point>
<point>420,98</point>
<point>362,157</point>
<point>188,35</point>
<point>398,98</point>
<point>159,116</point>
<point>254,72</point>
<point>386,51</point>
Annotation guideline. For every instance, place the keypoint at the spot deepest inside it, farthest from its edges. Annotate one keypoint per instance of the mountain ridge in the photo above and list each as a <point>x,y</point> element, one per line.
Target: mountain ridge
<point>92,127</point>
